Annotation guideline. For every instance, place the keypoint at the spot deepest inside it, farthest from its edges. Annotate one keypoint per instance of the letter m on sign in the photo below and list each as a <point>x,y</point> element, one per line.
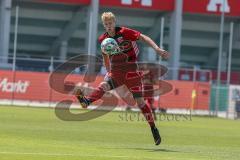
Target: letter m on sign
<point>147,3</point>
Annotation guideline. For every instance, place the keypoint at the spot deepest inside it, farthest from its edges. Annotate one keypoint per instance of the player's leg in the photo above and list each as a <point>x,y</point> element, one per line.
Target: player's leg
<point>97,94</point>
<point>150,101</point>
<point>134,84</point>
<point>146,110</point>
<point>150,98</point>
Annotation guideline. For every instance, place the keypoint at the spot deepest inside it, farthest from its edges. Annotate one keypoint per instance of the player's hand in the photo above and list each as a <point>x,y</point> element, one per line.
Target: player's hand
<point>164,54</point>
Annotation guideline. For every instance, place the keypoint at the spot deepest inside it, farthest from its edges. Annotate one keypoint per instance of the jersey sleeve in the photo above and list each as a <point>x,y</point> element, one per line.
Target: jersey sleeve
<point>100,39</point>
<point>131,34</point>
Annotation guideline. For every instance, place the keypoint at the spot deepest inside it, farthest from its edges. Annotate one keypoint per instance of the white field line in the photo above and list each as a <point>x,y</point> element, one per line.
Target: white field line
<point>61,154</point>
<point>72,155</point>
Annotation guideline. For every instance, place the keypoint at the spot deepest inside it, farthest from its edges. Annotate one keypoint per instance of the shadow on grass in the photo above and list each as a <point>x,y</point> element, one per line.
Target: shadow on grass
<point>155,149</point>
<point>148,149</point>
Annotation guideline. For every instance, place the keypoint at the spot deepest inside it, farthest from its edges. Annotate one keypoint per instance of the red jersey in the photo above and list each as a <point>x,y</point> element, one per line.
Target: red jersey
<point>126,39</point>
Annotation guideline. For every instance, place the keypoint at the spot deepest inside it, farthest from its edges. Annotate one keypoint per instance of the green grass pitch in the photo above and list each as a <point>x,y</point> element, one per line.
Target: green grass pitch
<point>37,134</point>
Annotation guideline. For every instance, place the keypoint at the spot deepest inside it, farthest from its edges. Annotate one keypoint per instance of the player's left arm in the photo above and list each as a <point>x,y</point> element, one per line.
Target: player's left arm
<point>106,61</point>
<point>152,44</point>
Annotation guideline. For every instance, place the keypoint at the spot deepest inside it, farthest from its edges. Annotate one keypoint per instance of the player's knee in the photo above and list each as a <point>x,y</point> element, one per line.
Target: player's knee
<point>105,86</point>
<point>140,101</point>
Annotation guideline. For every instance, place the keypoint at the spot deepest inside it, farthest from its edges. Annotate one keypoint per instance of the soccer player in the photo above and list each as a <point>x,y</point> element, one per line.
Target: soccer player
<point>120,68</point>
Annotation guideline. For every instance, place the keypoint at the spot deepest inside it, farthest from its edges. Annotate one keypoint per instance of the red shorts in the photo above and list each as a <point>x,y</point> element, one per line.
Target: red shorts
<point>124,72</point>
<point>133,81</point>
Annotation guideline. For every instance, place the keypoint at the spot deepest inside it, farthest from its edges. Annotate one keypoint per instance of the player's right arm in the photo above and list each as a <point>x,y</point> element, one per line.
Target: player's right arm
<point>152,44</point>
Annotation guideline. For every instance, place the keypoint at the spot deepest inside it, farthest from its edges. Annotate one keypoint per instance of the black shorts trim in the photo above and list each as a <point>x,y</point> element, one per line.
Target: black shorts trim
<point>111,82</point>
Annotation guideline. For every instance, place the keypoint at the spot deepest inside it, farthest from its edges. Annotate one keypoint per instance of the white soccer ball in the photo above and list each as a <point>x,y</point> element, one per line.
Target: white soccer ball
<point>109,46</point>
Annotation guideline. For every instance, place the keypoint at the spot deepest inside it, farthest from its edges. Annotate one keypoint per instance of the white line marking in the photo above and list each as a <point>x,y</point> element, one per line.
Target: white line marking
<point>75,155</point>
<point>63,154</point>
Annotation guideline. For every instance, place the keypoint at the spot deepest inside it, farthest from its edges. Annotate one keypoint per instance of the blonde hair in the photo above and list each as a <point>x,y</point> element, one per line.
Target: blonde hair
<point>108,16</point>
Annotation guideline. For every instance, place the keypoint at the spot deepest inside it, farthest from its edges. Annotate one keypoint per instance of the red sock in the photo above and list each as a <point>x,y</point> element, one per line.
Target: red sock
<point>96,94</point>
<point>146,111</point>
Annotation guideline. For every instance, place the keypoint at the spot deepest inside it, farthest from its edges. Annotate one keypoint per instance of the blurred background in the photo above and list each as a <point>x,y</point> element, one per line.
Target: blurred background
<point>202,36</point>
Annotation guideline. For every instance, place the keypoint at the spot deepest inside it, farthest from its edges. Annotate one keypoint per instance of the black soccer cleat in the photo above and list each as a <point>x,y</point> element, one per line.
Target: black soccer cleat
<point>156,135</point>
<point>84,102</point>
